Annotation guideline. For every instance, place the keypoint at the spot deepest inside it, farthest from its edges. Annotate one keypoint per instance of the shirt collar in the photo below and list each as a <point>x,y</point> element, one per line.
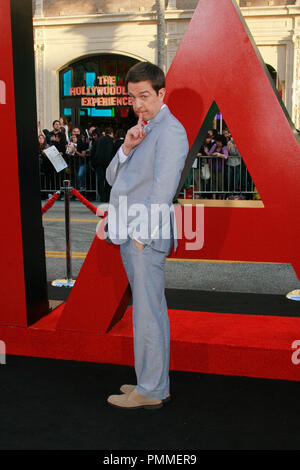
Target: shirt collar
<point>163,106</point>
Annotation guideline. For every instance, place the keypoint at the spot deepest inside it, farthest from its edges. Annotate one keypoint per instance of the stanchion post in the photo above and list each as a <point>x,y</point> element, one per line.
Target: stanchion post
<point>68,282</point>
<point>67,193</point>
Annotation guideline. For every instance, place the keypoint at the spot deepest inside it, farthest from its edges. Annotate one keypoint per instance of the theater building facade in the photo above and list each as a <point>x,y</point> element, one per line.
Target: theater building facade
<point>83,49</point>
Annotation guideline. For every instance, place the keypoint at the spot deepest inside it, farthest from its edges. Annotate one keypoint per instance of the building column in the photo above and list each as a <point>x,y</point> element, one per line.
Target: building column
<point>296,84</point>
<point>161,34</point>
<point>39,51</point>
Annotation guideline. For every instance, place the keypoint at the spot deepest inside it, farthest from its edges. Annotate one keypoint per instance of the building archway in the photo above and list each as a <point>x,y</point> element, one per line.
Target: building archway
<point>92,92</point>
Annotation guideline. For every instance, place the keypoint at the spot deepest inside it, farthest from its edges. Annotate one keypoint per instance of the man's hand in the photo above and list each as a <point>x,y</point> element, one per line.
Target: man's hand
<point>139,246</point>
<point>134,137</point>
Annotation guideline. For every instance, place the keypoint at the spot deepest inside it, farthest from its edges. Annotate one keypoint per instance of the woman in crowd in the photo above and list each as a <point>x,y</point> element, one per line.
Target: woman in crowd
<point>218,150</point>
<point>203,169</point>
<point>233,167</point>
<point>64,125</point>
<point>46,167</point>
<point>80,157</point>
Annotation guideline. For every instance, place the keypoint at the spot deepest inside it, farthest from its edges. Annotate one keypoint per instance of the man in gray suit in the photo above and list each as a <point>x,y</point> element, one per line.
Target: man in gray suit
<point>144,175</point>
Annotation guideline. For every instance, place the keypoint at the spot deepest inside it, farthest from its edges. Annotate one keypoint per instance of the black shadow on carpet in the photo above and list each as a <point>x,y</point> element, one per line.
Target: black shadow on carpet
<point>219,302</point>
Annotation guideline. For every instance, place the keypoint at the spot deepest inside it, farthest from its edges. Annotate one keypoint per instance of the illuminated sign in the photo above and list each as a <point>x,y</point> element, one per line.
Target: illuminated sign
<point>107,93</point>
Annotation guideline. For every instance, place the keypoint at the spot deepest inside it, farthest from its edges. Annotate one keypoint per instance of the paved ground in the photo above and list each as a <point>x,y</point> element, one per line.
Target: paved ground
<point>226,277</point>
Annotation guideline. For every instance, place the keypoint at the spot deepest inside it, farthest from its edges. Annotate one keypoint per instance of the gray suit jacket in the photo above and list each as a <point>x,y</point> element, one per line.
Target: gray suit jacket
<point>144,185</point>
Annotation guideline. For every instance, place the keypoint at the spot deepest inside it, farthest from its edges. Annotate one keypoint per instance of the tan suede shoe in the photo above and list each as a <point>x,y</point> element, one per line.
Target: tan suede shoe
<point>128,388</point>
<point>134,400</point>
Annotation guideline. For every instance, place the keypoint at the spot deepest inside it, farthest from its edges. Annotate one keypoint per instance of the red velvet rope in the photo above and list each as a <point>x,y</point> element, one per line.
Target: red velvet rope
<point>87,203</point>
<point>50,202</point>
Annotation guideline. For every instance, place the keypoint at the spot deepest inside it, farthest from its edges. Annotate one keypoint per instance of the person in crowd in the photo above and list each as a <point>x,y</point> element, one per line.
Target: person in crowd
<point>118,141</point>
<point>226,134</point>
<point>90,132</point>
<point>213,134</point>
<point>100,160</point>
<point>46,167</point>
<point>218,150</point>
<point>60,142</point>
<point>44,132</point>
<point>206,146</point>
<point>76,131</point>
<point>42,142</point>
<point>80,157</point>
<point>76,158</point>
<point>194,177</point>
<point>52,134</point>
<point>233,167</point>
<point>64,125</point>
<point>203,164</point>
<point>96,134</point>
<point>71,149</point>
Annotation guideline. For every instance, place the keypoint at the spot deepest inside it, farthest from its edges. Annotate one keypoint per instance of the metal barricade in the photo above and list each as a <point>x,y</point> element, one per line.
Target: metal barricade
<point>80,175</point>
<point>216,177</point>
<point>219,180</point>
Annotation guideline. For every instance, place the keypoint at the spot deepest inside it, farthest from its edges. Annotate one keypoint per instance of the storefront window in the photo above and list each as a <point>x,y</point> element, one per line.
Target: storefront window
<point>67,82</point>
<point>93,92</point>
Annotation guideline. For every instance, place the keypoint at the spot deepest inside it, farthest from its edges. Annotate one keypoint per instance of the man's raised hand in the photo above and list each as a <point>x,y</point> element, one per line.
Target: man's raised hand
<point>134,136</point>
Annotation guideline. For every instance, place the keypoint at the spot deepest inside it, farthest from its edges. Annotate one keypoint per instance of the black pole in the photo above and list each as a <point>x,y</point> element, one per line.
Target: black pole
<point>67,194</point>
<point>29,178</point>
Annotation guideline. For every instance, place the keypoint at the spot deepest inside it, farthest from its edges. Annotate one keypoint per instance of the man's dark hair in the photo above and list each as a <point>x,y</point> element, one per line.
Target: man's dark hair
<point>143,71</point>
<point>108,130</point>
<point>96,132</point>
<point>56,120</point>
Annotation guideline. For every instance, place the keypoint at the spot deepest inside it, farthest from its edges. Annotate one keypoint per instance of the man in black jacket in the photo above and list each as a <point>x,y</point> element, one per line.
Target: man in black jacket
<point>100,159</point>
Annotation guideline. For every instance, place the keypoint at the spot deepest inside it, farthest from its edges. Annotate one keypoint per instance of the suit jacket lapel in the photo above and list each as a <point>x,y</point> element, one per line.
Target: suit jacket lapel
<point>151,124</point>
<point>157,119</point>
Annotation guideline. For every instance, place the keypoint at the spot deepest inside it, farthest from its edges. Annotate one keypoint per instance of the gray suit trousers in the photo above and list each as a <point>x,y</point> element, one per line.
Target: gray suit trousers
<point>151,329</point>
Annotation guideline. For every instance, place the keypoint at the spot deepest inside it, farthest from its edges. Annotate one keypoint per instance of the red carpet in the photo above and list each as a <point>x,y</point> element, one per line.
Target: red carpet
<point>231,344</point>
<point>251,345</point>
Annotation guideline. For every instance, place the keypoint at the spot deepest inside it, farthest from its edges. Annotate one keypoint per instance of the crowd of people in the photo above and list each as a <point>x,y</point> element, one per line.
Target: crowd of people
<point>83,151</point>
<point>217,170</point>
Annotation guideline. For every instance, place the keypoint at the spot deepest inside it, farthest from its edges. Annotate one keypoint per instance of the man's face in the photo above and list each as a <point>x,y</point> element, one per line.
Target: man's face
<point>145,99</point>
<point>76,131</point>
<point>56,126</point>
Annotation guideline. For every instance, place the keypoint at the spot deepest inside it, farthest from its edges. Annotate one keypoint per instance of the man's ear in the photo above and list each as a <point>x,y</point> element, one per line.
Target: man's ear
<point>161,93</point>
